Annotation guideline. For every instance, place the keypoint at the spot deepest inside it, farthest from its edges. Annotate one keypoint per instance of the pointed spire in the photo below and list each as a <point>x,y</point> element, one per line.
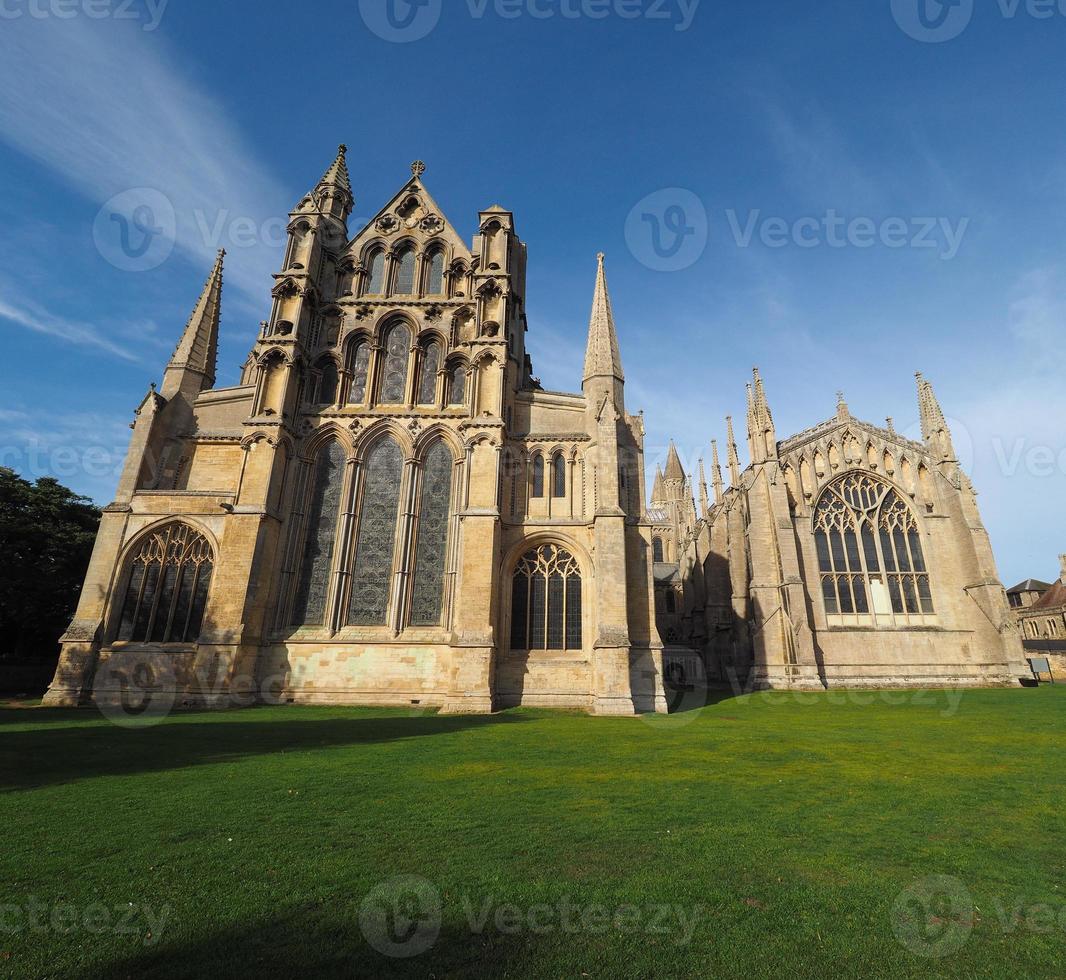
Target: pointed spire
<point>674,469</point>
<point>734,457</point>
<point>935,429</point>
<point>657,487</point>
<point>762,406</point>
<point>843,412</point>
<point>197,351</point>
<point>602,358</point>
<point>705,504</point>
<point>337,174</point>
<point>716,473</point>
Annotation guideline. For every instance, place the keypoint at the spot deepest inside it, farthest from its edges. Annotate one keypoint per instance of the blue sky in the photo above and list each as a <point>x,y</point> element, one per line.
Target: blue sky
<point>945,160</point>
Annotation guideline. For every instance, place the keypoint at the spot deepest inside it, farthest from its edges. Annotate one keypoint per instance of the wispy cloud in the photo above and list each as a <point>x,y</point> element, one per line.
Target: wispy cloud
<point>106,110</point>
<point>28,314</point>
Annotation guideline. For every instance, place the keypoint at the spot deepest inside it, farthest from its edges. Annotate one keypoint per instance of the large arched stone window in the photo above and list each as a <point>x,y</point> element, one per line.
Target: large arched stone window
<point>427,376</point>
<point>546,601</point>
<point>166,593</point>
<point>320,529</point>
<point>434,513</point>
<point>870,556</point>
<point>376,538</point>
<point>359,369</point>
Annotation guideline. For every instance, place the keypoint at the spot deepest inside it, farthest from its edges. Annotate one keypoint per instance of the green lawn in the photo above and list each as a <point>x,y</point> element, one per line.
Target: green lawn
<point>767,835</point>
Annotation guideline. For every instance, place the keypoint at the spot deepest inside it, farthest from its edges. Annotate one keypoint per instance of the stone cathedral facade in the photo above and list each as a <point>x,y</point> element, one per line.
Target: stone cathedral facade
<point>389,509</point>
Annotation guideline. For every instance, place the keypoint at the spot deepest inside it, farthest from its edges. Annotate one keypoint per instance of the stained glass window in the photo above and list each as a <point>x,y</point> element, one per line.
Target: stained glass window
<point>170,576</point>
<point>546,601</point>
<point>430,553</point>
<point>427,378</point>
<point>360,371</point>
<point>435,284</point>
<point>372,574</point>
<point>457,385</point>
<point>870,551</point>
<point>376,281</point>
<point>309,608</point>
<point>405,272</point>
<point>394,377</point>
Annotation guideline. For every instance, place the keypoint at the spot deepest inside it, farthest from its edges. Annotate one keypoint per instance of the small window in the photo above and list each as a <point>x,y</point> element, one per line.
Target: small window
<point>538,476</point>
<point>405,272</point>
<point>457,385</point>
<point>435,280</point>
<point>657,549</point>
<point>376,280</point>
<point>671,602</point>
<point>558,476</point>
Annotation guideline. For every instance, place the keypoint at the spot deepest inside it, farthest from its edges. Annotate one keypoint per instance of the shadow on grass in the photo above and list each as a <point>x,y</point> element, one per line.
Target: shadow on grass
<point>44,756</point>
<point>313,944</point>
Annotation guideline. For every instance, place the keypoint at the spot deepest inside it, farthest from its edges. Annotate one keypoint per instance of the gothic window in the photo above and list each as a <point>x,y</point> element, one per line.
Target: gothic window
<point>869,551</point>
<point>405,272</point>
<point>376,281</point>
<point>457,385</point>
<point>169,578</point>
<point>558,475</point>
<point>435,282</point>
<point>546,601</point>
<point>378,516</point>
<point>538,476</point>
<point>359,366</point>
<point>327,381</point>
<point>427,378</point>
<point>430,553</point>
<point>309,609</point>
<point>657,549</point>
<point>394,374</point>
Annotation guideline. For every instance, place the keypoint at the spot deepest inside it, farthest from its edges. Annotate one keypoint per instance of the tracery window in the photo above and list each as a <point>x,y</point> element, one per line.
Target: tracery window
<point>372,573</point>
<point>435,280</point>
<point>394,374</point>
<point>457,385</point>
<point>427,378</point>
<point>657,549</point>
<point>538,476</point>
<point>405,272</point>
<point>376,280</point>
<point>558,476</point>
<point>546,601</point>
<point>309,607</point>
<point>869,551</point>
<point>360,372</point>
<point>169,579</point>
<point>430,552</point>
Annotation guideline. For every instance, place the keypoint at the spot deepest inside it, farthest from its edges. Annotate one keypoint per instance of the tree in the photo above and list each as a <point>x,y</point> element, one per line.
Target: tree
<point>46,538</point>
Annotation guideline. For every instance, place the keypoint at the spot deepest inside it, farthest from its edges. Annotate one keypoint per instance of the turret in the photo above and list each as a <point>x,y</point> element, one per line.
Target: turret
<point>716,473</point>
<point>734,457</point>
<point>935,429</point>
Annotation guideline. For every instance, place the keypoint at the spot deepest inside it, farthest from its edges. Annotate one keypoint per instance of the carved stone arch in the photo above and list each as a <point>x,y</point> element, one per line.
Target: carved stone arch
<point>368,248</point>
<point>550,536</point>
<point>438,432</point>
<point>381,429</point>
<point>388,318</point>
<point>286,287</point>
<point>353,337</point>
<point>427,334</point>
<point>250,440</point>
<point>157,525</point>
<point>331,431</point>
<point>276,353</point>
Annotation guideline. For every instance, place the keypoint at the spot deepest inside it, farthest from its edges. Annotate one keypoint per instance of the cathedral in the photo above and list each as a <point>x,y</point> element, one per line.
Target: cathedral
<point>389,509</point>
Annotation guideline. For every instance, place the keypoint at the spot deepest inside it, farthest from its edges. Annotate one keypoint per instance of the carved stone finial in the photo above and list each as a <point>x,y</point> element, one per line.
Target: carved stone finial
<point>418,168</point>
<point>891,423</point>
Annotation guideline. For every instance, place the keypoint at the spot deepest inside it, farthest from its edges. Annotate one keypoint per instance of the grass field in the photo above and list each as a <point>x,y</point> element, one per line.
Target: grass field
<point>768,835</point>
